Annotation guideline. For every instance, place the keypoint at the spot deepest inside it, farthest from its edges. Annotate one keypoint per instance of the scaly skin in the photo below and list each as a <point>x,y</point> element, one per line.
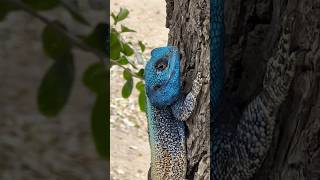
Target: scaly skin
<point>237,154</point>
<point>216,80</point>
<point>166,111</point>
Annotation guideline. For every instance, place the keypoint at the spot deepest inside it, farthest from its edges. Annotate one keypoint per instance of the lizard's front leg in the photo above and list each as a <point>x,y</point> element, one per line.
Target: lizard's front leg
<point>184,106</point>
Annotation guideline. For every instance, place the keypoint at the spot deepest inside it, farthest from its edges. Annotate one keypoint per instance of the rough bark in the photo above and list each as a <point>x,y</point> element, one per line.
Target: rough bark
<point>253,28</point>
<point>252,31</point>
<point>189,23</point>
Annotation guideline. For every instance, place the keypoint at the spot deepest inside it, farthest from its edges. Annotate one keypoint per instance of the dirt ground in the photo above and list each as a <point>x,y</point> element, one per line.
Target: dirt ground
<point>130,154</point>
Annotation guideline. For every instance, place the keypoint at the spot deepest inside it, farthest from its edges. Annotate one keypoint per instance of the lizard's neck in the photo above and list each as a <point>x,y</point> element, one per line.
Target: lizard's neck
<point>161,124</point>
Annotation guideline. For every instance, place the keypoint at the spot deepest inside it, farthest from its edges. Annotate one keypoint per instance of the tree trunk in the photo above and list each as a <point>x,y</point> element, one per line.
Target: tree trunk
<point>252,30</point>
<point>189,24</point>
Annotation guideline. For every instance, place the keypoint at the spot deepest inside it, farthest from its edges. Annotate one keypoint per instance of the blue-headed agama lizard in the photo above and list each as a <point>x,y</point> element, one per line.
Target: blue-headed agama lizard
<point>236,154</point>
<point>166,111</point>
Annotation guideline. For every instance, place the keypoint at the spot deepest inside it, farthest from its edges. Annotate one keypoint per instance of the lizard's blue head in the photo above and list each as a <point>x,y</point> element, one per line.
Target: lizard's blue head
<point>162,76</point>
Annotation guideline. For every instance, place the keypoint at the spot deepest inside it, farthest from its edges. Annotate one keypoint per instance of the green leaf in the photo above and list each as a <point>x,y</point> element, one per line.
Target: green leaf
<point>140,73</point>
<point>141,98</point>
<point>100,125</point>
<point>42,4</point>
<point>123,14</point>
<point>142,101</point>
<point>54,43</point>
<point>142,46</point>
<point>140,86</point>
<point>95,78</point>
<point>5,8</point>
<point>127,88</point>
<point>114,17</point>
<point>97,38</point>
<point>123,60</point>
<point>127,50</point>
<point>126,29</point>
<point>115,46</point>
<point>127,75</point>
<point>55,87</point>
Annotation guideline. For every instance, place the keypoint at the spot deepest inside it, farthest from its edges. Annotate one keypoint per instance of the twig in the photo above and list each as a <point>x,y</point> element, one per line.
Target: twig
<point>70,37</point>
<point>127,69</point>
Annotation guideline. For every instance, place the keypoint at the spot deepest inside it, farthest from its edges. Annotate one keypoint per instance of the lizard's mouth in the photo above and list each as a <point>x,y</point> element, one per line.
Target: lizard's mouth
<point>159,87</point>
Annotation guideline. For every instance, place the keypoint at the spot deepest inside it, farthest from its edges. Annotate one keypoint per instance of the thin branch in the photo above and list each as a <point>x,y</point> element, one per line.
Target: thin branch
<point>70,37</point>
<point>127,69</point>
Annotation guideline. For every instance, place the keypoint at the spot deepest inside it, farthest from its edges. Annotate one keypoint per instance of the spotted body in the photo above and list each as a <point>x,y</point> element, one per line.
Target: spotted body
<point>166,112</point>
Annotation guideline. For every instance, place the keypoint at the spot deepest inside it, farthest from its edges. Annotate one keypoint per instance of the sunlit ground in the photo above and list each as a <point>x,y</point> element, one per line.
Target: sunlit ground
<point>130,154</point>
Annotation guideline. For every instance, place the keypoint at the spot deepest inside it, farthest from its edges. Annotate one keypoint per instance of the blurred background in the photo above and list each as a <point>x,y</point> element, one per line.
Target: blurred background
<point>47,102</point>
<point>130,154</point>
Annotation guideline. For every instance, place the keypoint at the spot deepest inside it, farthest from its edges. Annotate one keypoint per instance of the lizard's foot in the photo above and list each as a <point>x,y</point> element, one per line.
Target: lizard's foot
<point>281,67</point>
<point>183,107</point>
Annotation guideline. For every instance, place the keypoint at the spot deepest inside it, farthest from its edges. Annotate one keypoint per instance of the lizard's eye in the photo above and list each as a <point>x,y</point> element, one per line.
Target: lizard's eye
<point>161,64</point>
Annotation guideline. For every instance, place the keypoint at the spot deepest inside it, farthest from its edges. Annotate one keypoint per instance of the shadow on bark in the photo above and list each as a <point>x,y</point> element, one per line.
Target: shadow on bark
<point>252,30</point>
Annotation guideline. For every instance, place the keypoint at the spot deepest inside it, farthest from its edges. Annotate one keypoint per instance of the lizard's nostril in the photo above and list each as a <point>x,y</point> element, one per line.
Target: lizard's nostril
<point>156,87</point>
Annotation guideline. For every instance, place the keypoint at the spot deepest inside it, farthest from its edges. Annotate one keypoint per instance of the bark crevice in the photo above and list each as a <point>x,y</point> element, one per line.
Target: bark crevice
<point>252,30</point>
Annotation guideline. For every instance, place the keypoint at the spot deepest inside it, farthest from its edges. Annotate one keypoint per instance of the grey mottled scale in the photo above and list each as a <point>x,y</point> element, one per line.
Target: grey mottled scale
<point>183,107</point>
<point>241,153</point>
